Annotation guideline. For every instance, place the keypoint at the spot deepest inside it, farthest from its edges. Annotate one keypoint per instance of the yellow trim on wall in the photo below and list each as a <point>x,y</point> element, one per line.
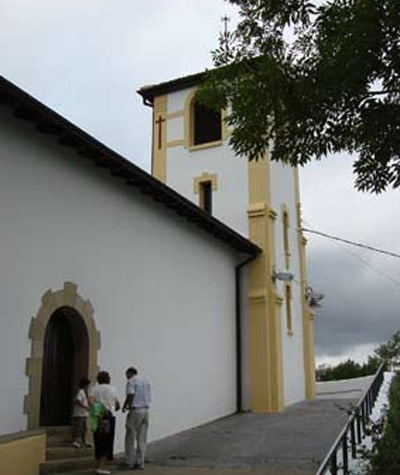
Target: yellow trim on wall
<point>188,118</point>
<point>175,143</point>
<point>258,181</point>
<point>189,126</point>
<point>203,146</point>
<point>206,177</point>
<point>308,316</point>
<point>266,361</point>
<point>22,455</point>
<point>225,132</point>
<point>159,155</point>
<point>203,178</point>
<point>175,115</point>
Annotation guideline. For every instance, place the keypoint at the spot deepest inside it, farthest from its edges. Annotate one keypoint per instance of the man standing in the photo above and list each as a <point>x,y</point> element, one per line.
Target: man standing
<point>137,403</point>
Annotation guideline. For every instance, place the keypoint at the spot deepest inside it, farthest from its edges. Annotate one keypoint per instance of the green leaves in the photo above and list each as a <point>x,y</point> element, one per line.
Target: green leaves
<point>385,459</point>
<point>389,352</point>
<point>347,370</point>
<point>313,78</point>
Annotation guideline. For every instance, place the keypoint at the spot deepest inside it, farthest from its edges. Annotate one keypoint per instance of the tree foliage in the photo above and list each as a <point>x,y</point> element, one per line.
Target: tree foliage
<point>314,78</point>
<point>385,459</point>
<point>387,353</point>
<point>347,370</point>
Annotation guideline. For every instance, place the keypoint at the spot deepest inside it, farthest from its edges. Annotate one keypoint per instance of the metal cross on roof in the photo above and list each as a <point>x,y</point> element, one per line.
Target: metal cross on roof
<point>225,19</point>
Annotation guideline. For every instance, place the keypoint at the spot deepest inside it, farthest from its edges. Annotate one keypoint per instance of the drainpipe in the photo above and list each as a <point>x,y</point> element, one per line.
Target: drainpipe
<point>238,268</point>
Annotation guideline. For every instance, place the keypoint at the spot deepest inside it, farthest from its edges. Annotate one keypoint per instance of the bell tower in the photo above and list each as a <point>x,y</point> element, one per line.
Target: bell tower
<point>192,155</point>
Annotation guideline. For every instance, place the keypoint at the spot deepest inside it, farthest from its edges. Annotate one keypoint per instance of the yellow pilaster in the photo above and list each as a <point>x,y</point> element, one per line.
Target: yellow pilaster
<point>264,303</point>
<point>159,156</point>
<point>308,315</point>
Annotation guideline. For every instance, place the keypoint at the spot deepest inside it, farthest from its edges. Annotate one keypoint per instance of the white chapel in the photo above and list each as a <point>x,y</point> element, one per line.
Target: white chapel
<point>196,273</point>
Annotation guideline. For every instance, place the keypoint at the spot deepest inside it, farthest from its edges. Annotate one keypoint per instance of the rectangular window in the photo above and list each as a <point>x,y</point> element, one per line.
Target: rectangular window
<point>206,196</point>
<point>285,219</point>
<point>288,302</point>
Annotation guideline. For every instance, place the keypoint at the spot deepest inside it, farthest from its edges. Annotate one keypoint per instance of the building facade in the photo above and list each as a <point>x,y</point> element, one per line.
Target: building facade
<point>104,267</point>
<point>180,274</point>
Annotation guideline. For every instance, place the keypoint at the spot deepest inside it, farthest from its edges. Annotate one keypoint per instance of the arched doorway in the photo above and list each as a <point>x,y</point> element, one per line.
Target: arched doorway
<point>64,341</point>
<point>65,361</point>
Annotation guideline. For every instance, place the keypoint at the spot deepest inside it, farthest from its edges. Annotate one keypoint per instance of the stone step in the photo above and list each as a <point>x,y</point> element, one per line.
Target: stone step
<point>59,440</point>
<point>66,452</point>
<point>66,465</point>
<point>57,430</point>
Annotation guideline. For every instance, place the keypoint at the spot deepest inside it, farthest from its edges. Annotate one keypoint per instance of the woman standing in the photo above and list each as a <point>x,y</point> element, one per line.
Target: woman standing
<point>104,403</point>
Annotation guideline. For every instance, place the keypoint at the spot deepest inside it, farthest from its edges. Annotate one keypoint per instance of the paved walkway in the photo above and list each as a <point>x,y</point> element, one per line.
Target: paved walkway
<point>343,389</point>
<point>296,439</point>
<point>160,470</point>
<point>290,443</point>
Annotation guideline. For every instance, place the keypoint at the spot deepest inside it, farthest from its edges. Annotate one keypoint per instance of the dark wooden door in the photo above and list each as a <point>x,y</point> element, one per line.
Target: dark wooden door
<point>57,373</point>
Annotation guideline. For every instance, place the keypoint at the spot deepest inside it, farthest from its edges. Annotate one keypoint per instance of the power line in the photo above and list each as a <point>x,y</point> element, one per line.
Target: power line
<point>360,259</point>
<point>368,264</point>
<point>352,243</point>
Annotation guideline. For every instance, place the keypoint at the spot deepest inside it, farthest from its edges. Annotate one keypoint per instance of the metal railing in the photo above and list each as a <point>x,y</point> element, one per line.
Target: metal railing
<point>345,446</point>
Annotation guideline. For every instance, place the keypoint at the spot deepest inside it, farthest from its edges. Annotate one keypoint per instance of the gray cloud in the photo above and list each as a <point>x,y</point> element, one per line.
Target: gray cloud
<point>362,288</point>
<point>361,307</point>
<point>87,59</point>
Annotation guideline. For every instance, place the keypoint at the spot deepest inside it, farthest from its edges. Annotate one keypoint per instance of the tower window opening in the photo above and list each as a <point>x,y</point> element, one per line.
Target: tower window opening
<point>206,196</point>
<point>206,124</point>
<point>288,302</point>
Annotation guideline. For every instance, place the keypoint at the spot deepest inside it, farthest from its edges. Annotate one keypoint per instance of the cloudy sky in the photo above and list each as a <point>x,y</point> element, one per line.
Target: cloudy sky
<point>86,59</point>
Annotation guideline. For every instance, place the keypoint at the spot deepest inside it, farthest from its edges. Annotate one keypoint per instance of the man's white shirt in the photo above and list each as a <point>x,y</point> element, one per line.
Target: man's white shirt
<point>140,388</point>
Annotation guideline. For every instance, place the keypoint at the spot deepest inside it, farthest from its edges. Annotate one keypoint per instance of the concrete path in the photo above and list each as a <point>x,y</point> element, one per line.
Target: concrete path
<point>159,470</point>
<point>343,389</point>
<point>296,439</point>
<point>293,442</point>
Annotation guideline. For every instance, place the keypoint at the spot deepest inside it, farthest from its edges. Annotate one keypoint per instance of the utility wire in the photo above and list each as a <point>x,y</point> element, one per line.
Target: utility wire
<point>338,242</point>
<point>352,243</point>
<point>368,264</point>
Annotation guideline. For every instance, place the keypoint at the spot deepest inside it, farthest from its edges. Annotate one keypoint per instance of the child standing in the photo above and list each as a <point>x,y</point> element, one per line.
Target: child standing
<point>79,415</point>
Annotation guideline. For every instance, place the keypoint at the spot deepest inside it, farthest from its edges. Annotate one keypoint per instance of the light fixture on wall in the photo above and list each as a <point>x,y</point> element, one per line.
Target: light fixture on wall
<point>283,276</point>
<point>313,298</point>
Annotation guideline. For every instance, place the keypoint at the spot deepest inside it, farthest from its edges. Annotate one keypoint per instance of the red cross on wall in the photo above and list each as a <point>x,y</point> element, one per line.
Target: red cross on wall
<point>159,122</point>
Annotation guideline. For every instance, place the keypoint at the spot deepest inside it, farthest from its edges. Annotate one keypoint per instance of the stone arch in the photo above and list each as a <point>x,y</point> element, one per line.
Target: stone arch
<point>52,301</point>
<point>188,117</point>
<point>188,111</point>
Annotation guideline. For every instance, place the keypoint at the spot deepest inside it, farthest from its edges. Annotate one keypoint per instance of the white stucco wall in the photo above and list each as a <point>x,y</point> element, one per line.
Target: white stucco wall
<point>163,291</point>
<point>245,340</point>
<point>183,165</point>
<point>283,192</point>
